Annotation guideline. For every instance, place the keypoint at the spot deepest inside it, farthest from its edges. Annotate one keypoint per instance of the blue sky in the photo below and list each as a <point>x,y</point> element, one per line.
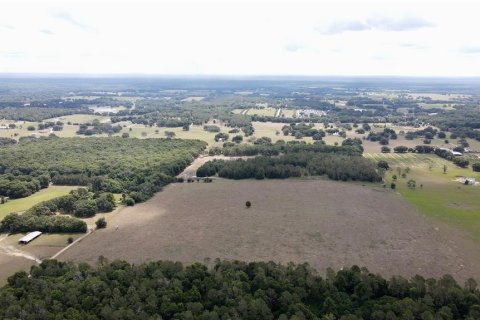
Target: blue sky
<point>410,38</point>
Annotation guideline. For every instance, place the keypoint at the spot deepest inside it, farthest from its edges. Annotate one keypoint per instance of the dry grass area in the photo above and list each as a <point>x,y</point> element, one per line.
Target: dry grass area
<point>328,224</point>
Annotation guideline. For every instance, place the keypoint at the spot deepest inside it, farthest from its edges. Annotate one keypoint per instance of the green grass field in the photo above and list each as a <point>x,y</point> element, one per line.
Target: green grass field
<point>440,197</point>
<point>262,111</point>
<point>289,113</point>
<point>80,118</point>
<point>18,205</point>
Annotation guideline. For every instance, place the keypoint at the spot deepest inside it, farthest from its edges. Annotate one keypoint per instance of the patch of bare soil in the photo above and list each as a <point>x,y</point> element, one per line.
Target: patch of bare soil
<point>325,223</point>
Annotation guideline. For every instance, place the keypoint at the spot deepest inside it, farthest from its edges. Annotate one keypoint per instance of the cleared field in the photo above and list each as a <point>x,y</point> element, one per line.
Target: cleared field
<point>18,205</point>
<point>440,196</point>
<point>9,265</point>
<point>262,111</point>
<point>288,113</point>
<point>270,129</point>
<point>81,118</point>
<point>328,224</point>
<point>195,132</point>
<point>437,96</point>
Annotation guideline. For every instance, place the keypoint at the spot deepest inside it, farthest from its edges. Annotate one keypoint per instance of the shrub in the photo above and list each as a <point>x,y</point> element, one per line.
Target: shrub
<point>129,201</point>
<point>248,204</point>
<point>101,223</point>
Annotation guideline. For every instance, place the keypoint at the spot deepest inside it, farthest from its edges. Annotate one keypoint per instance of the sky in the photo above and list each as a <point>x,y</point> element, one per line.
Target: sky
<point>263,37</point>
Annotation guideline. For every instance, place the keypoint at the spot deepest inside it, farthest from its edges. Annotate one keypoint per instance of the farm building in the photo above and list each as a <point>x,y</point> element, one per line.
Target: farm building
<point>470,181</point>
<point>29,237</point>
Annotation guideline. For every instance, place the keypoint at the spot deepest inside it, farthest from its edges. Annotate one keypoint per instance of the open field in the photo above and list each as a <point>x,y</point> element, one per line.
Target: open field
<point>328,224</point>
<point>268,111</point>
<point>270,129</point>
<point>289,113</point>
<point>441,196</point>
<point>81,118</point>
<point>437,96</point>
<point>18,205</point>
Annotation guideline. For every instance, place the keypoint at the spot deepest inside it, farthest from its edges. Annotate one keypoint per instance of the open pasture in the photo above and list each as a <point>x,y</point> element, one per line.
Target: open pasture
<point>268,111</point>
<point>437,194</point>
<point>19,205</point>
<point>328,224</point>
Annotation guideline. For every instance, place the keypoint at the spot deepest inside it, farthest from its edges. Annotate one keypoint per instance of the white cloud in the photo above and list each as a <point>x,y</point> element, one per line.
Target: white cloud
<point>240,37</point>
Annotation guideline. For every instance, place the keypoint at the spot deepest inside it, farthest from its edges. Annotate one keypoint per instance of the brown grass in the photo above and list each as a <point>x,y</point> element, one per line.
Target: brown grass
<point>328,224</point>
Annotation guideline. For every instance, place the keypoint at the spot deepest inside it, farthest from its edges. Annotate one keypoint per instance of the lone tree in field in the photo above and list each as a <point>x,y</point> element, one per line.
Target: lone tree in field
<point>411,184</point>
<point>248,204</point>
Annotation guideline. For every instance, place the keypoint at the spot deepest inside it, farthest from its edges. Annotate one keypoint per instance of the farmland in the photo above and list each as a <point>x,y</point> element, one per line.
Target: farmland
<point>19,205</point>
<point>292,220</point>
<point>437,194</point>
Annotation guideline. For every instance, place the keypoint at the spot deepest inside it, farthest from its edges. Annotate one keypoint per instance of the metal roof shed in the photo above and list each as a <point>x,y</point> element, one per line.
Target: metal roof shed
<point>29,237</point>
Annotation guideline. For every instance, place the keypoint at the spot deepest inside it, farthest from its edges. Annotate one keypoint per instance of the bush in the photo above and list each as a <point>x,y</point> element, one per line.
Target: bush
<point>476,166</point>
<point>101,223</point>
<point>461,162</point>
<point>383,164</point>
<point>85,208</point>
<point>129,201</point>
<point>248,204</point>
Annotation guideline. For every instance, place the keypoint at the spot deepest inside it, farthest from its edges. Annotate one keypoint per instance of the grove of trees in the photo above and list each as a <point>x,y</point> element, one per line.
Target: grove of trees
<point>229,290</point>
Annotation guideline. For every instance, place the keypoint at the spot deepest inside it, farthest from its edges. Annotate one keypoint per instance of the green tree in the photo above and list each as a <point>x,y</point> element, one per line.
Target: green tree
<point>85,208</point>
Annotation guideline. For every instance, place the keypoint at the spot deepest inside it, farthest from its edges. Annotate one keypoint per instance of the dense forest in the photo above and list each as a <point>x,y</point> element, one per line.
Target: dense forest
<point>334,166</point>
<point>38,114</point>
<point>229,290</point>
<point>136,167</point>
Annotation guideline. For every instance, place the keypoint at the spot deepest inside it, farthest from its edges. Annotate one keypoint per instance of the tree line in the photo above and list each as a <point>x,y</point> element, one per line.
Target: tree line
<point>229,290</point>
<point>294,164</point>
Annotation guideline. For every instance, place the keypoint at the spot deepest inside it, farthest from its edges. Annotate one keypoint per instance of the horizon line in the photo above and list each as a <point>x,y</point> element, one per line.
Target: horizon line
<point>219,76</point>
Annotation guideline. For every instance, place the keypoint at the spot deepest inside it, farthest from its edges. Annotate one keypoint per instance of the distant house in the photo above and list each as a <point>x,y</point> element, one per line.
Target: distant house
<point>456,153</point>
<point>29,237</point>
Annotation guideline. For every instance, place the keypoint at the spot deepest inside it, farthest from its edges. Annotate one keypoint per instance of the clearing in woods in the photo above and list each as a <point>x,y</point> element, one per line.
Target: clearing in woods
<point>19,205</point>
<point>326,223</point>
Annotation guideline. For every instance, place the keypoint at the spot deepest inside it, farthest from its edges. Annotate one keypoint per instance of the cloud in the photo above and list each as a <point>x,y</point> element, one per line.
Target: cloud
<point>6,26</point>
<point>47,31</point>
<point>293,47</point>
<point>412,45</point>
<point>470,50</point>
<point>67,17</point>
<point>12,54</point>
<point>375,23</point>
<point>401,24</point>
<point>343,26</point>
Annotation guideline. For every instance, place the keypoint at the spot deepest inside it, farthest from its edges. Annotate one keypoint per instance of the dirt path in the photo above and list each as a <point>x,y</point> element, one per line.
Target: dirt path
<point>71,244</point>
<point>14,252</point>
<point>191,170</point>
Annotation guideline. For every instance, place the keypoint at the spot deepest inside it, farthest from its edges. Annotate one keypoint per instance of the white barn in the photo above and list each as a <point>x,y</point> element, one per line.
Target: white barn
<point>29,237</point>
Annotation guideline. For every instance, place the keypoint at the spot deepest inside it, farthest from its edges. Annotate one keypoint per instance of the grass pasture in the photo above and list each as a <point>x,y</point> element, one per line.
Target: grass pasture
<point>19,205</point>
<point>326,223</point>
<point>441,197</point>
<point>268,111</point>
